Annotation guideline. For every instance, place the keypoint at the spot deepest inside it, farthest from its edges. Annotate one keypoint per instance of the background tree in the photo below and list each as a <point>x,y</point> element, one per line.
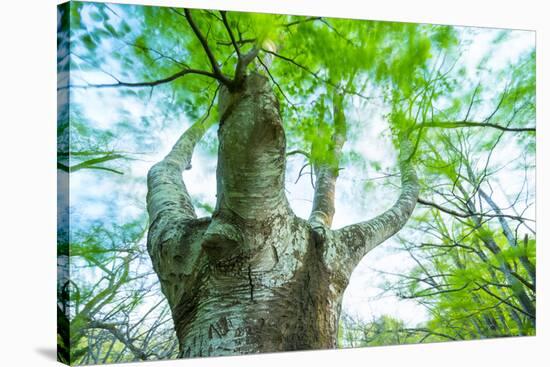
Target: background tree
<point>474,241</point>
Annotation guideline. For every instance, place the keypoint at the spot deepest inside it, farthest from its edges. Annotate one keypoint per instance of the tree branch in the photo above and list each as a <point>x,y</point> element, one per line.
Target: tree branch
<point>152,83</point>
<point>92,163</point>
<point>166,189</point>
<point>362,237</point>
<point>215,67</point>
<point>512,240</point>
<point>531,315</point>
<point>233,41</point>
<point>298,151</point>
<point>315,74</point>
<point>459,124</point>
<point>309,19</point>
<point>428,331</point>
<point>120,336</point>
<point>276,83</point>
<point>467,215</point>
<point>242,64</point>
<point>239,42</point>
<point>326,171</point>
<point>161,55</point>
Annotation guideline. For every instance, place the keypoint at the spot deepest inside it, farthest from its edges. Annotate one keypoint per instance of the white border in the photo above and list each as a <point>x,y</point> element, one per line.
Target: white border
<point>28,184</point>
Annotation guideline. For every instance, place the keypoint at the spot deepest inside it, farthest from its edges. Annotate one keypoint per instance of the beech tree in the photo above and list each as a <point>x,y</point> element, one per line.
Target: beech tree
<point>253,276</point>
<point>475,260</point>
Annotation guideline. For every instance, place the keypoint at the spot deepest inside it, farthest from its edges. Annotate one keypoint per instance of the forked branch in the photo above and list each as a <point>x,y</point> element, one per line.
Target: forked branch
<point>215,67</point>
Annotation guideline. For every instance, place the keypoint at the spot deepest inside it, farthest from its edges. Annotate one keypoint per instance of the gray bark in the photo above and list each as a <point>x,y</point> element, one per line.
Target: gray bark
<point>254,277</point>
<point>326,171</point>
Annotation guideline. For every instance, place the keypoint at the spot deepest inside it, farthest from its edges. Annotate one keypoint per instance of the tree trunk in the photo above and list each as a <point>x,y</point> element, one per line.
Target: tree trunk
<point>253,277</point>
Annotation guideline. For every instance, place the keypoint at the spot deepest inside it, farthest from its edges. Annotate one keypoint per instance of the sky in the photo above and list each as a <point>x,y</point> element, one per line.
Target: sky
<point>106,197</point>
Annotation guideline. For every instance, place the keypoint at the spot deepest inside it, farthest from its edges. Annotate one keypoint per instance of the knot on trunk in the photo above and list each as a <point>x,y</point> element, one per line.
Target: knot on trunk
<point>319,234</point>
<point>221,240</point>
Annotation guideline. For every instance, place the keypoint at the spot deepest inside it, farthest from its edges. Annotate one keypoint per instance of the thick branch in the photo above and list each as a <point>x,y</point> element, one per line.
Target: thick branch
<point>242,64</point>
<point>362,237</point>
<point>326,171</point>
<point>166,190</point>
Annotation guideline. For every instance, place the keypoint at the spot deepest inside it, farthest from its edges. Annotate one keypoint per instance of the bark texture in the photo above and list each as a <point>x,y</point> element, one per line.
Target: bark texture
<point>254,277</point>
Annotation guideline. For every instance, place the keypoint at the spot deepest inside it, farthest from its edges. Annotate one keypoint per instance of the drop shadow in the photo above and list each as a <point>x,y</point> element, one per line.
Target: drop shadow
<point>48,353</point>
